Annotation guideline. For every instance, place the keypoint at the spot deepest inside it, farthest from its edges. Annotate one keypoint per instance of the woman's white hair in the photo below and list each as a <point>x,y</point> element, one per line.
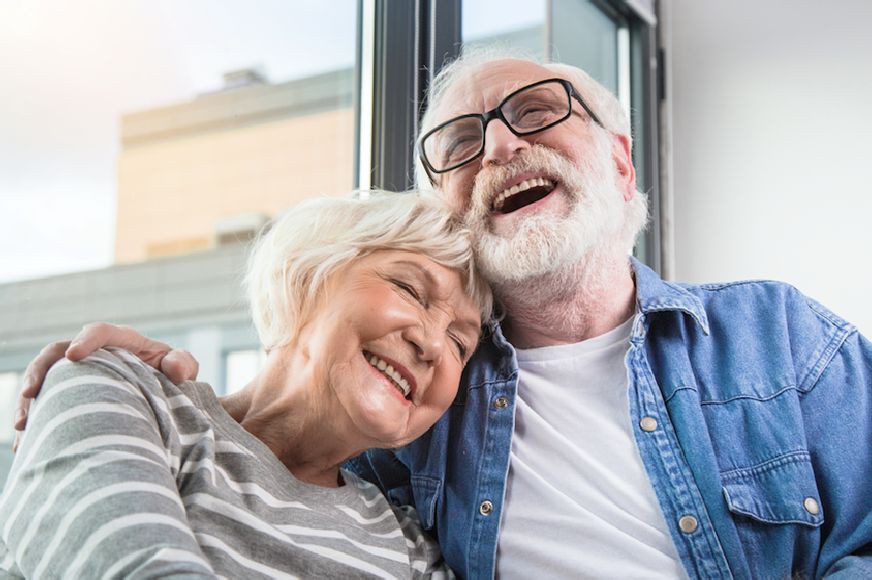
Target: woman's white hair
<point>601,101</point>
<point>292,261</point>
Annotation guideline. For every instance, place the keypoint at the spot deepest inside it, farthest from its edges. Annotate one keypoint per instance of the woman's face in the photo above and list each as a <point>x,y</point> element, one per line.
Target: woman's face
<point>389,340</point>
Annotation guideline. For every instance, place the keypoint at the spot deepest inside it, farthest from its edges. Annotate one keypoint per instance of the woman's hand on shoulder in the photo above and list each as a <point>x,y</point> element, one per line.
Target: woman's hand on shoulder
<point>178,365</point>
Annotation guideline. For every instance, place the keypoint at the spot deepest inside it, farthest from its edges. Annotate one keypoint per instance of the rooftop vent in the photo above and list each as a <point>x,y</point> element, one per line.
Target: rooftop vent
<point>245,77</point>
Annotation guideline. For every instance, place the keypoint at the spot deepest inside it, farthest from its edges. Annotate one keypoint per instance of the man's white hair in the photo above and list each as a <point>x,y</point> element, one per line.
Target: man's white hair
<point>292,261</point>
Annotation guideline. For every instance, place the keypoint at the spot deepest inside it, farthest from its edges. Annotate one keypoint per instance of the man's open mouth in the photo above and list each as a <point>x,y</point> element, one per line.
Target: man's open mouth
<point>523,194</point>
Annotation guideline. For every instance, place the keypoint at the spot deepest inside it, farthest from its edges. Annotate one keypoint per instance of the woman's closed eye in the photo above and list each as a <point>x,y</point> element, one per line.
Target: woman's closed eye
<point>409,289</point>
<point>462,350</point>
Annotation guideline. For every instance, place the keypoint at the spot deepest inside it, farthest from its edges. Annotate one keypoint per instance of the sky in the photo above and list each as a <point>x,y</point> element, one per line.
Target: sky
<point>69,70</point>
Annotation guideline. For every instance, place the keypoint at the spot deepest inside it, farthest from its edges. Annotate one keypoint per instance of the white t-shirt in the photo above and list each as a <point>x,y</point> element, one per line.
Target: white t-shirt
<point>578,500</point>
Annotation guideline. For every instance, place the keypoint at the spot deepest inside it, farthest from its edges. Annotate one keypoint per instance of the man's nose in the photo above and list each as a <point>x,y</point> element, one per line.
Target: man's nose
<point>500,144</point>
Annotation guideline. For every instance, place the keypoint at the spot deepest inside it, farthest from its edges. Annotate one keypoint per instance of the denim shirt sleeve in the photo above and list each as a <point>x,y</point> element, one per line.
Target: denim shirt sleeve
<point>837,410</point>
<point>770,395</point>
<point>833,364</point>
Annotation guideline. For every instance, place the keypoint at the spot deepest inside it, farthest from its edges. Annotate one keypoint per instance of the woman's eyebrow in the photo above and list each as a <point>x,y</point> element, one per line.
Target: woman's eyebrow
<point>468,325</point>
<point>421,269</point>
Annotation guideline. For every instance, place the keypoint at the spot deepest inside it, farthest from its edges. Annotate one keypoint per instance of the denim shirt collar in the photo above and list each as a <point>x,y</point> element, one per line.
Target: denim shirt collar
<point>654,294</point>
<point>495,359</point>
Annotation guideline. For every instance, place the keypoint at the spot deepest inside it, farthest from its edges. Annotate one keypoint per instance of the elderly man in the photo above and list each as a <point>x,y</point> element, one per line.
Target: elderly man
<point>613,424</point>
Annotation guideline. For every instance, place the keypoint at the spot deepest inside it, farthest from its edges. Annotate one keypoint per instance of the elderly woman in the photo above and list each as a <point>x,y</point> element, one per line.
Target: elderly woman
<point>368,310</point>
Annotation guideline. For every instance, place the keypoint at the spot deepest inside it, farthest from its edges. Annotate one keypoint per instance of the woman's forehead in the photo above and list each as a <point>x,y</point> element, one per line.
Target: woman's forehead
<point>431,271</point>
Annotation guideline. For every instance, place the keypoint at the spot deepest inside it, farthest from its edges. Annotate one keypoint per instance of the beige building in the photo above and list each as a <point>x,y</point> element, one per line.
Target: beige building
<point>195,174</point>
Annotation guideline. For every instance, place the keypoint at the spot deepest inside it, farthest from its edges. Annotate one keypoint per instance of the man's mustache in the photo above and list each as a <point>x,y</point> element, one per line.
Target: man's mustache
<point>490,180</point>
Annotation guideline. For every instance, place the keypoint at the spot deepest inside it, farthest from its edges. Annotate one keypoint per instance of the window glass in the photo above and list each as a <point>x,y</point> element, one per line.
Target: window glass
<point>509,24</point>
<point>585,36</point>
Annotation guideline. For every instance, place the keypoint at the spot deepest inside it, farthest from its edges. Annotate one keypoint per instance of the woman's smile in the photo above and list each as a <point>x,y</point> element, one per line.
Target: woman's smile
<point>397,375</point>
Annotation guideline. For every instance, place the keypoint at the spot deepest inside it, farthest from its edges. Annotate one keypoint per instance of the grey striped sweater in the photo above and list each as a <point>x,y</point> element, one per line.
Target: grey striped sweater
<point>123,474</point>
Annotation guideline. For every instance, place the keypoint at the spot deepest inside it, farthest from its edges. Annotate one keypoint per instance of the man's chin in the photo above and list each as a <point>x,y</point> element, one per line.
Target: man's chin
<point>524,258</point>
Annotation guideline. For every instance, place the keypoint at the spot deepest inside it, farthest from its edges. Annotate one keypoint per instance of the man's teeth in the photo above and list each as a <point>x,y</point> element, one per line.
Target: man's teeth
<point>524,185</point>
<point>389,371</point>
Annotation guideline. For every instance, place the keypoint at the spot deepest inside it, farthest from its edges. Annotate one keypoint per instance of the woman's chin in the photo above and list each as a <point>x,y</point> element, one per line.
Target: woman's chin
<point>383,425</point>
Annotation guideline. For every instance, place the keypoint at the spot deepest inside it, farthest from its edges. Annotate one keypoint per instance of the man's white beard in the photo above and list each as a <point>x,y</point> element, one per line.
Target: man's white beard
<point>546,244</point>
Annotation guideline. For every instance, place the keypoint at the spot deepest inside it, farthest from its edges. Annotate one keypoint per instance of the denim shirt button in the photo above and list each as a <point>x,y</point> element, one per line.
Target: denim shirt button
<point>648,424</point>
<point>687,524</point>
<point>811,506</point>
<point>486,508</point>
<point>501,402</point>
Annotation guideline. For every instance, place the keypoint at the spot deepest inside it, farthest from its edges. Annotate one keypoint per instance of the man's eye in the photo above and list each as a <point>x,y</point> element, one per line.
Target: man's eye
<point>461,147</point>
<point>534,115</point>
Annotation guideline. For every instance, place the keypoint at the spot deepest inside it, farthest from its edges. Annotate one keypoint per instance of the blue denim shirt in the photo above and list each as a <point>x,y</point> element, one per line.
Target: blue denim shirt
<point>761,458</point>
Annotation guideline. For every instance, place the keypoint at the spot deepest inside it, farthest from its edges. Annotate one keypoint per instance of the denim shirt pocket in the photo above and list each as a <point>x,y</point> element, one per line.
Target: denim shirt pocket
<point>780,491</point>
<point>426,491</point>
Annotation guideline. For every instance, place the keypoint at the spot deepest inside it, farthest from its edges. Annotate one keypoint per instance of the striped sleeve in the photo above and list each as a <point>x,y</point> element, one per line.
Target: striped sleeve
<point>92,492</point>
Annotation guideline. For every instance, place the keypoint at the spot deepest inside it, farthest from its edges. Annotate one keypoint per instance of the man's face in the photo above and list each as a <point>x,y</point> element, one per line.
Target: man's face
<point>538,202</point>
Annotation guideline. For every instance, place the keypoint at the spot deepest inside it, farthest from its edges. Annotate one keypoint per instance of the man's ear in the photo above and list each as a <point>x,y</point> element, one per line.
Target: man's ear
<point>625,175</point>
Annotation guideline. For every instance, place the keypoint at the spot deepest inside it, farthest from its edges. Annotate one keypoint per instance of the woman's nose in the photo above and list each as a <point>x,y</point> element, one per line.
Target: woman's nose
<point>500,144</point>
<point>428,340</point>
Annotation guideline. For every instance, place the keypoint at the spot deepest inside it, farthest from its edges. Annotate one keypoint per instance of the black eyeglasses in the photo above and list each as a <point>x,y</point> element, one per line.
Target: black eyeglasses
<point>528,110</point>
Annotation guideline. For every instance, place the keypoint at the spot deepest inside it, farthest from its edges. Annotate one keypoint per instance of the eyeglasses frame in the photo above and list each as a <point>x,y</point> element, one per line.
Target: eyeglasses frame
<point>497,113</point>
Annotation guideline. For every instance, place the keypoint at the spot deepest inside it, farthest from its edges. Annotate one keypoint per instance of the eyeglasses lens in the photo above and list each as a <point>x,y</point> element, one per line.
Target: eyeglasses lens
<point>527,111</point>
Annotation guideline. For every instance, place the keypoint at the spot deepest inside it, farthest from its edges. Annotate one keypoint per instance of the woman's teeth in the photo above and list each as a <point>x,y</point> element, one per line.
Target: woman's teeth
<point>389,371</point>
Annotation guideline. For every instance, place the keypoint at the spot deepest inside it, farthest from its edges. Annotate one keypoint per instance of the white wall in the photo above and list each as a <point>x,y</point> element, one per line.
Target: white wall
<point>772,145</point>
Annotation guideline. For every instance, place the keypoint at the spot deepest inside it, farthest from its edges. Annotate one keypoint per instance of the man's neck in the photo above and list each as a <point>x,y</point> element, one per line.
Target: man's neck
<point>582,301</point>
